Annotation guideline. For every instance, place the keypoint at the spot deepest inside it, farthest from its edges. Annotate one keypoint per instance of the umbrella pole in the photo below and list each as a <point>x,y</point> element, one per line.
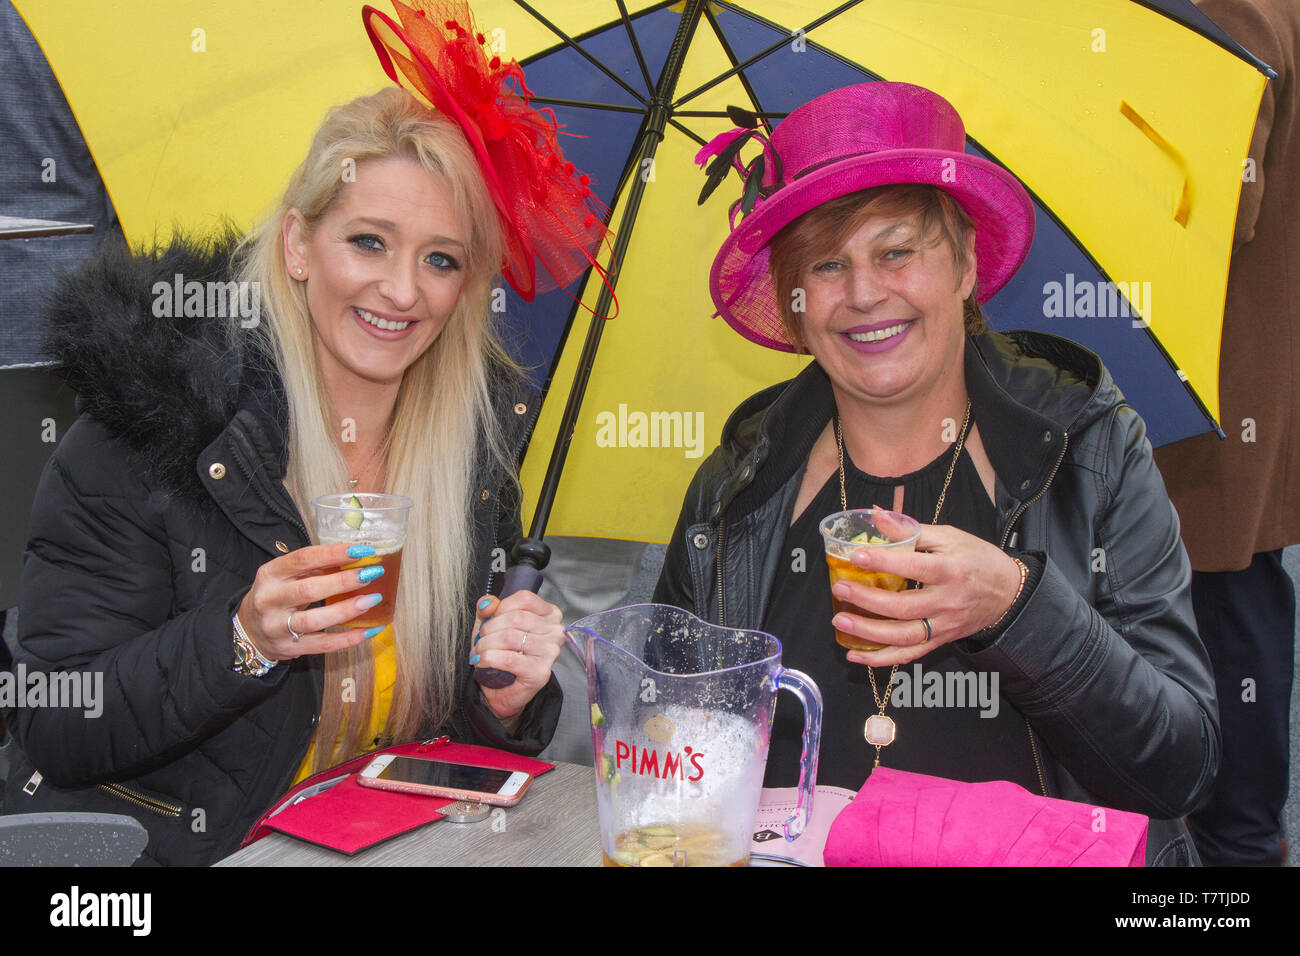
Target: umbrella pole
<point>648,144</point>
<point>532,554</point>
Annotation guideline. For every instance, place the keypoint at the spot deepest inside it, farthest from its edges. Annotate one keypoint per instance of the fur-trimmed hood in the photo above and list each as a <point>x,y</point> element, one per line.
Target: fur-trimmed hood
<point>166,385</point>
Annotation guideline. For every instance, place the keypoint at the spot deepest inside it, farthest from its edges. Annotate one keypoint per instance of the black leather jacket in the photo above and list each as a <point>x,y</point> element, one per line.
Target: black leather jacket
<point>1105,664</point>
<point>152,517</point>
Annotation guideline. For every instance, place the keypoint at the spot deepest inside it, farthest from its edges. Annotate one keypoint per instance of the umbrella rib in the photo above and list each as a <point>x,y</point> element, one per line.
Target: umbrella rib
<point>571,43</point>
<point>583,104</point>
<point>731,55</point>
<point>780,44</point>
<point>692,135</point>
<point>763,114</point>
<point>636,47</point>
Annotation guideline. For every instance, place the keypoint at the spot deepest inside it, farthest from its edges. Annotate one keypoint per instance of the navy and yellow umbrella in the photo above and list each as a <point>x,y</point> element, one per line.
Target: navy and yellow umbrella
<point>1129,122</point>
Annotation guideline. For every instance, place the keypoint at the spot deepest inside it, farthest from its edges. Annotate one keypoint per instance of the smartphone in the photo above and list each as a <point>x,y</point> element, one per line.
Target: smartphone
<point>441,778</point>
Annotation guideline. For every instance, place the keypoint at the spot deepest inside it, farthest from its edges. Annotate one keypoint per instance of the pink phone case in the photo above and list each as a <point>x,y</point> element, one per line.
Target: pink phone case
<point>424,790</point>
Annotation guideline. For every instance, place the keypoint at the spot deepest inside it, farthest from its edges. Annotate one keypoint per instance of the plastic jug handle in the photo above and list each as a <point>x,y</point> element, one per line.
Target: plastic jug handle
<point>805,688</point>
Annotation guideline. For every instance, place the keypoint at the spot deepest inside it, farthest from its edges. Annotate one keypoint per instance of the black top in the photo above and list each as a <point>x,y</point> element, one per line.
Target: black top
<point>937,704</point>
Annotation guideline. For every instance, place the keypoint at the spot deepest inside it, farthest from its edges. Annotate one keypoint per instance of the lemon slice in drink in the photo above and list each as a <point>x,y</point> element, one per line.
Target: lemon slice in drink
<point>867,537</point>
<point>355,515</point>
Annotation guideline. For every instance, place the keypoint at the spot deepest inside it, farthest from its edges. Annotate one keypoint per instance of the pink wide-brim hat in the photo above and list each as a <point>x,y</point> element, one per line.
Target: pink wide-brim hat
<point>872,134</point>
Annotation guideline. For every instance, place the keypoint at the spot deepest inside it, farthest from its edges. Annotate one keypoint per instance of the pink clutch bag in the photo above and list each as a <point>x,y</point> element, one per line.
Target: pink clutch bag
<point>911,819</point>
<point>349,818</point>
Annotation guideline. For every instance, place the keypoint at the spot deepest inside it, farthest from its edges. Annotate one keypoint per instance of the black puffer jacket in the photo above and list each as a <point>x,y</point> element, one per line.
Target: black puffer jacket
<point>1103,659</point>
<point>151,520</point>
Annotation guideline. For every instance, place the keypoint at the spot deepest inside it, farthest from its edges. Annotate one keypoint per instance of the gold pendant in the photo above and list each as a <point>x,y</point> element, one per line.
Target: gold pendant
<point>879,730</point>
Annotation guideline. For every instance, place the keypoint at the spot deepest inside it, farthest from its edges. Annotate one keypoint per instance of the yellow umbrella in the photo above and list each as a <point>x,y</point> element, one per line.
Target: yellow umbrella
<point>1128,126</point>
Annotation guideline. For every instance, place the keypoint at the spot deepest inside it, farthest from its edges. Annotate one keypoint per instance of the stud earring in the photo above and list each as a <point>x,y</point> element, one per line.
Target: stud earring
<point>299,270</point>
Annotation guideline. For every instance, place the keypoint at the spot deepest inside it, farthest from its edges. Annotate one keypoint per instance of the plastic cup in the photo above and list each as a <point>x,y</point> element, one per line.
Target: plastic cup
<point>379,521</point>
<point>847,531</point>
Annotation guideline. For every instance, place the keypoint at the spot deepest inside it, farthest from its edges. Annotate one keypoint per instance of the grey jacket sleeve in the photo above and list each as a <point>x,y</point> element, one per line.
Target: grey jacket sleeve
<point>1121,690</point>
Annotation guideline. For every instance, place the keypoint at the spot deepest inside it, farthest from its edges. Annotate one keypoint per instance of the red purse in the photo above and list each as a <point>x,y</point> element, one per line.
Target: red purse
<point>332,810</point>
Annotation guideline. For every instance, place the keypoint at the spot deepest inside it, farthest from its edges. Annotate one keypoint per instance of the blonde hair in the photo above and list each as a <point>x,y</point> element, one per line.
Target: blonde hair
<point>443,422</point>
<point>820,231</point>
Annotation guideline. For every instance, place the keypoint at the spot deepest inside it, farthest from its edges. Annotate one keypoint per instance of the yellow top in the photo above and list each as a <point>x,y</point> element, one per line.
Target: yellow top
<point>385,678</point>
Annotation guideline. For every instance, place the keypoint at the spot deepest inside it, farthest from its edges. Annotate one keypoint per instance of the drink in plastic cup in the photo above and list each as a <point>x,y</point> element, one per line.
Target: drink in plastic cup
<point>373,519</point>
<point>847,531</point>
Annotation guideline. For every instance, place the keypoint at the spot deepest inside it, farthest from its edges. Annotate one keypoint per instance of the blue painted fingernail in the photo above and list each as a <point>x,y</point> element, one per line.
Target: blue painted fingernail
<point>483,604</point>
<point>477,638</point>
<point>369,574</point>
<point>369,601</point>
<point>360,551</point>
<point>473,660</point>
<point>371,632</point>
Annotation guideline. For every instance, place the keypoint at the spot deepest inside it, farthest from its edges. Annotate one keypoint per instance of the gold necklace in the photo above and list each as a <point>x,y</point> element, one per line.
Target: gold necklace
<point>880,730</point>
<point>382,446</point>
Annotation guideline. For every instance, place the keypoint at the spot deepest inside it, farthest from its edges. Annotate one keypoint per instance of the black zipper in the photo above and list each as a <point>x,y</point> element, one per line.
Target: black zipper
<point>722,609</point>
<point>291,518</point>
<point>164,808</point>
<point>1006,536</point>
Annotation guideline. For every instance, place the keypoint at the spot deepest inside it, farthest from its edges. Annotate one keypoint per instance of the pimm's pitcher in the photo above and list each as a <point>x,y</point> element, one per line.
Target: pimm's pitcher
<point>681,715</point>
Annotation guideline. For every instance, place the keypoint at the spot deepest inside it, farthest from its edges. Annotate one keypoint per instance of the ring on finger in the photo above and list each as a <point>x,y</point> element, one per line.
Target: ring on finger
<point>288,622</point>
<point>523,643</point>
<point>929,633</point>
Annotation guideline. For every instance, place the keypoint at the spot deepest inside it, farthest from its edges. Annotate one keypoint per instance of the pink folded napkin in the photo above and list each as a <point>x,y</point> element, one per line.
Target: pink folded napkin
<point>911,819</point>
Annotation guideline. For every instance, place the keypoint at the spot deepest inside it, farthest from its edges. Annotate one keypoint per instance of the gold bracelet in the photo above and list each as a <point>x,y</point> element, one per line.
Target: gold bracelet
<point>248,659</point>
<point>1024,576</point>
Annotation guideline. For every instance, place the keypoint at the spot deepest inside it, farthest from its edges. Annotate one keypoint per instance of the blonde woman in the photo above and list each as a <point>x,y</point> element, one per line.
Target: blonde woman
<point>170,557</point>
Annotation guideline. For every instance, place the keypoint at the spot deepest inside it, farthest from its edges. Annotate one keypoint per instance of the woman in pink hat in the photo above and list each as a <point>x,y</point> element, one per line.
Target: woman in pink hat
<point>1049,638</point>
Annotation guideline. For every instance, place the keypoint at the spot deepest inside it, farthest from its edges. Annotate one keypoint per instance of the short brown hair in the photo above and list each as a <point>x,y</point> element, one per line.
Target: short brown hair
<point>818,232</point>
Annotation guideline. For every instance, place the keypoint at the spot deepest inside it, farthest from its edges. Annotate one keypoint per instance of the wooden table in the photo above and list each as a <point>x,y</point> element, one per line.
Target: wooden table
<point>555,824</point>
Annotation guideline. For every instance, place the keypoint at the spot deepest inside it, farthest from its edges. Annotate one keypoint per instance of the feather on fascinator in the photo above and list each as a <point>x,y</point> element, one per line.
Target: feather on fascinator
<point>550,215</point>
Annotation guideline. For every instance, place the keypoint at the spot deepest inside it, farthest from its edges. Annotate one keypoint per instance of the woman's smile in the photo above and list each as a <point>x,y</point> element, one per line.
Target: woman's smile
<point>879,337</point>
<point>382,325</point>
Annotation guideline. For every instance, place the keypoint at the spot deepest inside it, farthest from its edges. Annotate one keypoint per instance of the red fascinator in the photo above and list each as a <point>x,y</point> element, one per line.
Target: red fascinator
<point>547,207</point>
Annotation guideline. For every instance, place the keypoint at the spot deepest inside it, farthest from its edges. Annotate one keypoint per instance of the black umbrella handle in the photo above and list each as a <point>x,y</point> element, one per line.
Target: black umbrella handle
<point>532,556</point>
